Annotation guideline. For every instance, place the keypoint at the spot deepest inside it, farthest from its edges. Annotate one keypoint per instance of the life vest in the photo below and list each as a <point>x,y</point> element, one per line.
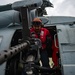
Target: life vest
<point>42,35</point>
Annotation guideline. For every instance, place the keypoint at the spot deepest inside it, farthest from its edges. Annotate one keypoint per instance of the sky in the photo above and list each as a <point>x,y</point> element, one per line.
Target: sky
<point>61,7</point>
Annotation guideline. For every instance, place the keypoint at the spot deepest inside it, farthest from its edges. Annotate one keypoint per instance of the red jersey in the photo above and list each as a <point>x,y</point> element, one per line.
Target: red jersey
<point>44,33</point>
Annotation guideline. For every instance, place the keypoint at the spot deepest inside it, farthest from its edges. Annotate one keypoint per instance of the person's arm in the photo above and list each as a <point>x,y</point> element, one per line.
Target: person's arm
<point>49,49</point>
<point>49,44</point>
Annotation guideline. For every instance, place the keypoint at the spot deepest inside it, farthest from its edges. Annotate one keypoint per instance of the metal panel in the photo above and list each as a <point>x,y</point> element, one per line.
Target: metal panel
<point>66,35</point>
<point>5,44</point>
<point>6,34</point>
<point>2,69</point>
<point>71,33</point>
<point>69,69</point>
<point>27,3</point>
<point>68,54</point>
<point>61,19</point>
<point>63,37</point>
<point>8,17</point>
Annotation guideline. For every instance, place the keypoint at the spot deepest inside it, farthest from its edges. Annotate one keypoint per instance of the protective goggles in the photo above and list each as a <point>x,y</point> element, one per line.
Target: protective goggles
<point>36,23</point>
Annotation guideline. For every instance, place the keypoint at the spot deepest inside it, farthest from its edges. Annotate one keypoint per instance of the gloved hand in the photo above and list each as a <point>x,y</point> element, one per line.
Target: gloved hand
<point>51,63</point>
<point>40,63</point>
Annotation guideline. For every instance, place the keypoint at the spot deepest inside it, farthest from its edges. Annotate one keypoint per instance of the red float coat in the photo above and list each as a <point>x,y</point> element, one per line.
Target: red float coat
<point>44,33</point>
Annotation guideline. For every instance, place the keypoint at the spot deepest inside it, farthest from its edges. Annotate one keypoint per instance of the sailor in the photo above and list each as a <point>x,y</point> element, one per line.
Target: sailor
<point>44,35</point>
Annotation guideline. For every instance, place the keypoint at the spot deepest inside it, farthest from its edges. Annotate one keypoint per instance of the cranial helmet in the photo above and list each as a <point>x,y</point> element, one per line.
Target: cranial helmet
<point>37,21</point>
